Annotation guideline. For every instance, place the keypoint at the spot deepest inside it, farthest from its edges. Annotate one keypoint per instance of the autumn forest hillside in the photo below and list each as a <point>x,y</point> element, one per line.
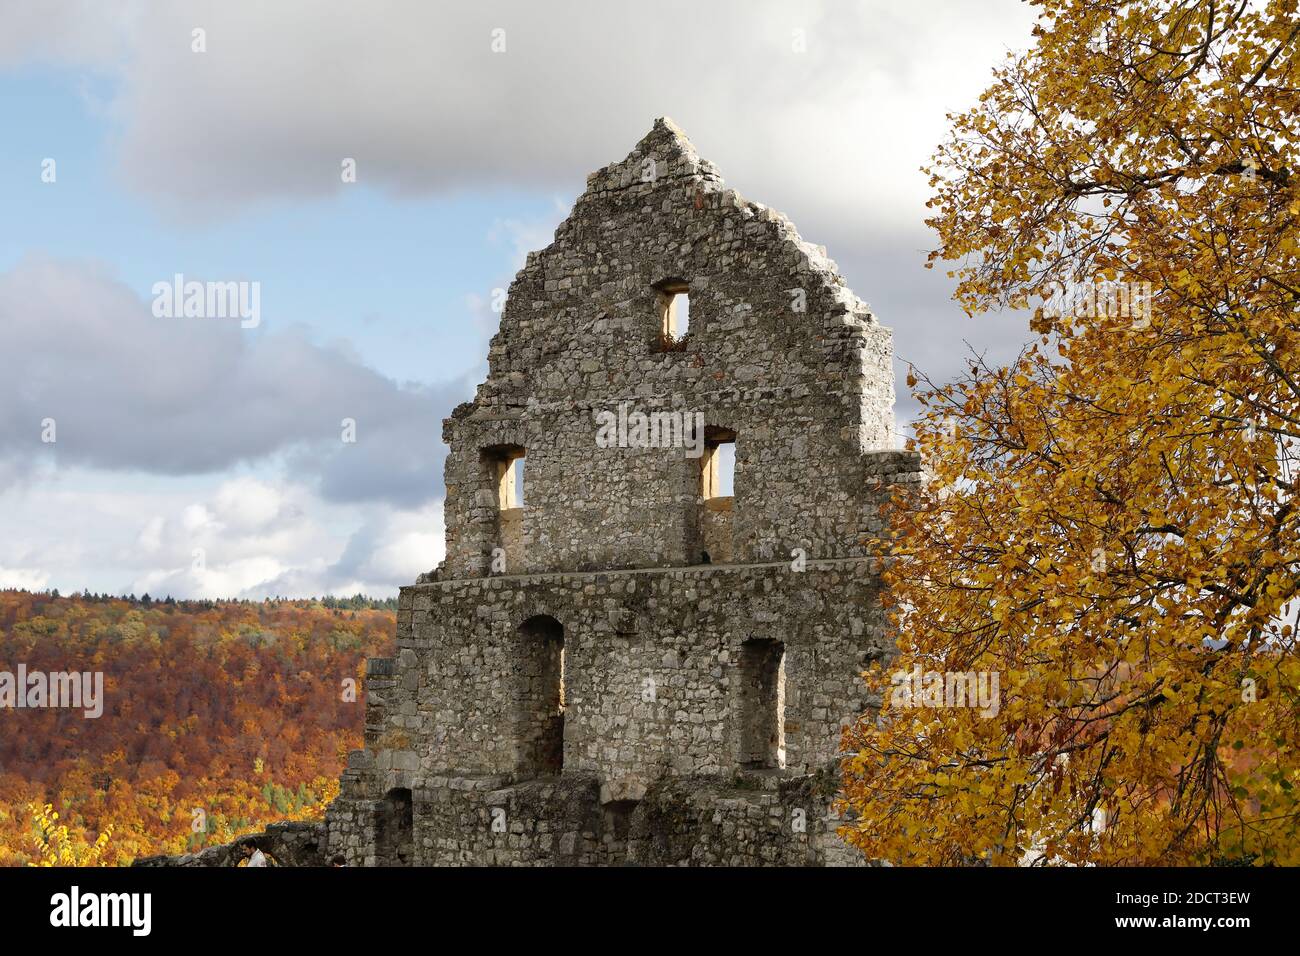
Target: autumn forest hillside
<point>218,717</point>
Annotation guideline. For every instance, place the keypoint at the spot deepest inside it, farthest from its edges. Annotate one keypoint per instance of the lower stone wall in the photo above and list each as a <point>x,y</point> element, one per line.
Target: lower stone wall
<point>701,718</point>
<point>755,818</point>
<point>652,668</point>
<point>555,822</point>
<point>479,821</point>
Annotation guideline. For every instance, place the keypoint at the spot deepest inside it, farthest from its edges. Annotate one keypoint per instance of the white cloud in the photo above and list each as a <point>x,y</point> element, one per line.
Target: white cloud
<point>407,549</point>
<point>247,504</point>
<point>232,578</point>
<point>26,579</point>
<point>526,235</point>
<point>196,519</point>
<point>140,535</point>
<point>151,536</point>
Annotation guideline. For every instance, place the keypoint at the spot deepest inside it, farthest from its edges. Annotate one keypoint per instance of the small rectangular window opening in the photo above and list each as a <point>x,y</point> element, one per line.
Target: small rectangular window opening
<point>507,462</point>
<point>674,314</point>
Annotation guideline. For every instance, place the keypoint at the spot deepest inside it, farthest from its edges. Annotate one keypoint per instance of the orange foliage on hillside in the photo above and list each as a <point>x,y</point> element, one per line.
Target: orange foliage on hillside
<point>218,717</point>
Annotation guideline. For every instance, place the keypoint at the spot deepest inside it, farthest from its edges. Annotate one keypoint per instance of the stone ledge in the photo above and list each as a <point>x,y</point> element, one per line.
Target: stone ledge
<point>872,565</point>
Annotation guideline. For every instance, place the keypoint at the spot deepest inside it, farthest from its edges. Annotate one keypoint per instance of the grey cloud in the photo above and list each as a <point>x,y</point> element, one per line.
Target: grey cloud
<point>84,32</point>
<point>129,391</point>
<point>413,92</point>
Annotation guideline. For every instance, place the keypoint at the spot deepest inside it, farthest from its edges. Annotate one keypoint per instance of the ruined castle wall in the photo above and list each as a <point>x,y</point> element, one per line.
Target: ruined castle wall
<point>779,351</point>
<point>620,664</point>
<point>625,666</point>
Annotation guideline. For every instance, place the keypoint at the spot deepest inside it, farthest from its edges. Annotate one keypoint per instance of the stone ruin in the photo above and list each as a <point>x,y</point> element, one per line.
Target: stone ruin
<point>621,659</point>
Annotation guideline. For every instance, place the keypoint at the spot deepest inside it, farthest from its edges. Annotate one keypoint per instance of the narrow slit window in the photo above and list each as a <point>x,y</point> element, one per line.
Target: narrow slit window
<point>517,479</point>
<point>503,474</point>
<point>718,464</point>
<point>725,466</point>
<point>678,320</point>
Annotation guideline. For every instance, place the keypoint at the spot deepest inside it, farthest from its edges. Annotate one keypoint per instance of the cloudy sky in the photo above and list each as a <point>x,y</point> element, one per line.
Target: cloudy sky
<point>206,456</point>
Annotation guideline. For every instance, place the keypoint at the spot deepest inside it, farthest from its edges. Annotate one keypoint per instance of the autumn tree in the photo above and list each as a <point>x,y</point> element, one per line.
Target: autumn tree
<point>1111,525</point>
<point>57,846</point>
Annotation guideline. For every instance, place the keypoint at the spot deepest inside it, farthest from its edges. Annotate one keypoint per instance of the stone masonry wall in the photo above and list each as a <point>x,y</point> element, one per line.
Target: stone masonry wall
<point>653,692</point>
<point>650,667</point>
<point>778,351</point>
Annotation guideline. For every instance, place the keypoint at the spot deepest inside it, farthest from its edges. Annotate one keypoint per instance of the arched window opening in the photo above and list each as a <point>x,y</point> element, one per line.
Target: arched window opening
<point>396,843</point>
<point>539,699</point>
<point>762,704</point>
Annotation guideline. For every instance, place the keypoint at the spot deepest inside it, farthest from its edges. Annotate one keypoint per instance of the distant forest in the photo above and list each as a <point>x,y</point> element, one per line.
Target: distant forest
<point>358,602</point>
<point>218,717</point>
